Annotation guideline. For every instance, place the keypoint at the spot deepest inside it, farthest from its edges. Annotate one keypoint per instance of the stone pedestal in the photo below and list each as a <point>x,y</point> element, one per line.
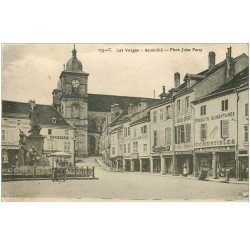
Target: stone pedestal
<point>37,141</point>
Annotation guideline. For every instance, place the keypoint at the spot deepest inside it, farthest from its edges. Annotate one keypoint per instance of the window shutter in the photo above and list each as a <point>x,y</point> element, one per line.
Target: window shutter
<point>221,134</point>
<point>175,133</point>
<point>222,106</point>
<point>205,109</point>
<point>188,132</point>
<point>226,104</point>
<point>224,128</point>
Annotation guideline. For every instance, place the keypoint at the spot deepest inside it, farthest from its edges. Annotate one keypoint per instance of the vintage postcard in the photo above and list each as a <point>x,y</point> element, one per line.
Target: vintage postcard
<point>125,122</point>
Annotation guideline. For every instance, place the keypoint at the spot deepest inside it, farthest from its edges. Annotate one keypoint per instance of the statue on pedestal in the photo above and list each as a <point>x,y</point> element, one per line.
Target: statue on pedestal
<point>34,119</point>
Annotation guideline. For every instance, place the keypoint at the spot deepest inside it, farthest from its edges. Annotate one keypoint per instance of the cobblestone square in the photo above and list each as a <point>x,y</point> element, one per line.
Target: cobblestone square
<point>124,186</point>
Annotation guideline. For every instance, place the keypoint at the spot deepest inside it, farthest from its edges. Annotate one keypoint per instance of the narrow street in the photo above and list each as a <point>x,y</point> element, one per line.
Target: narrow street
<point>124,186</point>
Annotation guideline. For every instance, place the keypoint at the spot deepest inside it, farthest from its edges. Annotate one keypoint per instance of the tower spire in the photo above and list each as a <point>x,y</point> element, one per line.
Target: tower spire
<point>74,51</point>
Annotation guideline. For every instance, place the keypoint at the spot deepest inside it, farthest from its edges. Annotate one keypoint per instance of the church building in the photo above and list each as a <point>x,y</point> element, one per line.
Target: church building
<point>86,112</point>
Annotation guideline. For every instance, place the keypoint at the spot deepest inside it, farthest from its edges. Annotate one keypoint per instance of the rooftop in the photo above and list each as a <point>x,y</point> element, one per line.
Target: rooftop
<point>22,110</point>
<point>239,80</point>
<point>102,103</point>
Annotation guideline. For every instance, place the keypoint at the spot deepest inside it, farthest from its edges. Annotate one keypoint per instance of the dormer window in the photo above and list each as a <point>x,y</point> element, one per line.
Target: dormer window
<point>54,120</point>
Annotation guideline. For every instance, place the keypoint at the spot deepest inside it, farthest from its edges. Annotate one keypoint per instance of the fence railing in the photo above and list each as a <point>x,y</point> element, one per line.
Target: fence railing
<point>39,172</point>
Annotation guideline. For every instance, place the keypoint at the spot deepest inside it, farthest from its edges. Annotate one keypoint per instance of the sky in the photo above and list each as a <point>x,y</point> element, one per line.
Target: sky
<point>31,71</point>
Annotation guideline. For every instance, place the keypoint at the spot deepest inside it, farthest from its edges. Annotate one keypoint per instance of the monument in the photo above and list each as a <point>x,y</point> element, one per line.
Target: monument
<point>35,139</point>
<point>31,147</point>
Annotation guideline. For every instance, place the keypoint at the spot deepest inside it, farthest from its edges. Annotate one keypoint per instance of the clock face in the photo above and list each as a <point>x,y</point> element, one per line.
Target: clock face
<point>75,83</point>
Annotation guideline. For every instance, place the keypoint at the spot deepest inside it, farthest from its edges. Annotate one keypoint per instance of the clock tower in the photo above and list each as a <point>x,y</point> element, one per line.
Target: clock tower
<point>70,98</point>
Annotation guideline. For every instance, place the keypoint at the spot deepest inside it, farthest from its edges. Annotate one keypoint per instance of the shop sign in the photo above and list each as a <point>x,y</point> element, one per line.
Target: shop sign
<point>215,149</point>
<point>215,143</point>
<point>161,148</point>
<point>215,117</point>
<point>62,137</point>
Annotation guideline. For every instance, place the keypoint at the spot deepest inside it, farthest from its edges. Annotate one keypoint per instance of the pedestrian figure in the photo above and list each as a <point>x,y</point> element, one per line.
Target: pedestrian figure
<point>184,170</point>
<point>16,157</point>
<point>244,172</point>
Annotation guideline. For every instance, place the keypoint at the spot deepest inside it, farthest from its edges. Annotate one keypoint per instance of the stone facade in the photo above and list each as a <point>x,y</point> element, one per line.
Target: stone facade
<point>56,132</point>
<point>201,123</point>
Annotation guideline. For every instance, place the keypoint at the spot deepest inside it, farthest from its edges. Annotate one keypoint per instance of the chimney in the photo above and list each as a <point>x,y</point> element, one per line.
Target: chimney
<point>211,59</point>
<point>112,109</point>
<point>112,113</point>
<point>117,109</point>
<point>229,65</point>
<point>177,80</point>
<point>163,89</point>
<point>144,104</point>
<point>130,109</point>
